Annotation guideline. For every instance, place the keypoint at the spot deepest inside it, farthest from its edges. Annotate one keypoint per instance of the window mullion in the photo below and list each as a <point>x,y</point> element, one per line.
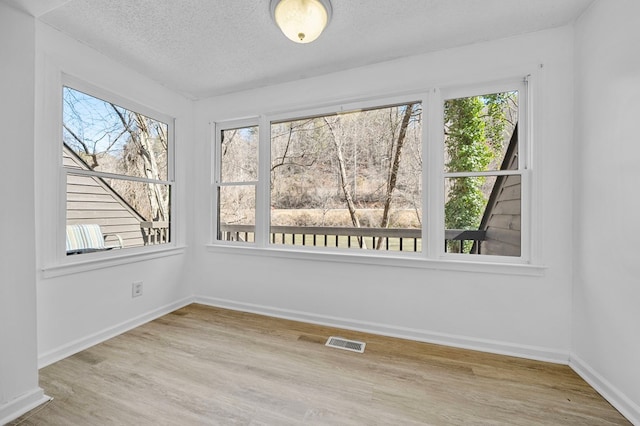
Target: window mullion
<point>171,151</point>
<point>60,237</point>
<point>482,173</point>
<point>103,175</point>
<point>529,199</point>
<point>246,183</point>
<point>263,195</point>
<point>214,196</point>
<point>434,198</point>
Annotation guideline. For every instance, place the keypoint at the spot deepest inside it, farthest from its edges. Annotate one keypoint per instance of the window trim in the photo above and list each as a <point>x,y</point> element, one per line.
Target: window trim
<point>62,263</point>
<point>264,121</point>
<point>216,171</point>
<point>522,84</point>
<point>432,255</point>
<point>375,259</point>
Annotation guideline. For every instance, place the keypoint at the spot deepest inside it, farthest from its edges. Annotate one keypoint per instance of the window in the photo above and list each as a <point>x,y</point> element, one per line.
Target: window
<point>482,175</point>
<point>118,174</point>
<point>349,180</point>
<point>357,178</point>
<point>237,179</point>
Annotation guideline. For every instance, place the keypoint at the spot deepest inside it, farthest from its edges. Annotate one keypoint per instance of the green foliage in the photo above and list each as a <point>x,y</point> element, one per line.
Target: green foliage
<point>497,104</point>
<point>465,140</point>
<point>466,203</point>
<point>474,133</point>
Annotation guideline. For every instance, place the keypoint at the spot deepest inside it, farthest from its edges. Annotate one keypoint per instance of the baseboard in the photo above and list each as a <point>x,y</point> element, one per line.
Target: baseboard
<point>76,346</point>
<point>619,400</point>
<point>20,405</point>
<point>501,348</point>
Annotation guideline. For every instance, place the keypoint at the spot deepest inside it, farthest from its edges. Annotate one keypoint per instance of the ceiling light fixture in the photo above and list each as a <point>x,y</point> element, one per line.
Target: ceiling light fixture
<point>301,21</point>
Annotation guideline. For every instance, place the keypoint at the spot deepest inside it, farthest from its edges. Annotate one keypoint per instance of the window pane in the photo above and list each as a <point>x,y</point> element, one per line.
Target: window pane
<point>236,218</point>
<point>488,210</point>
<point>127,213</point>
<point>108,138</point>
<point>479,131</point>
<point>351,179</point>
<point>239,155</point>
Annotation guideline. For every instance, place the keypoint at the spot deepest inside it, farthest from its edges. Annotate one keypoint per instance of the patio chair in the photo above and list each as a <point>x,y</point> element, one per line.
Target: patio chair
<point>87,238</point>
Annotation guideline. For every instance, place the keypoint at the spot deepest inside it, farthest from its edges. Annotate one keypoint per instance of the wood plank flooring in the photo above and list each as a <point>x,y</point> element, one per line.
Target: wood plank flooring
<point>208,366</point>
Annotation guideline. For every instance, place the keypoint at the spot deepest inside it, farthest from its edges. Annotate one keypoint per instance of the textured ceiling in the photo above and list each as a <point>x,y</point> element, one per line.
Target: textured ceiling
<point>208,47</point>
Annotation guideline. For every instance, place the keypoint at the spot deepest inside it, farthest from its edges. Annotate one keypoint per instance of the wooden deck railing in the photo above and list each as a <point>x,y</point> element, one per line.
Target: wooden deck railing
<point>461,236</point>
<point>155,232</point>
<point>392,239</point>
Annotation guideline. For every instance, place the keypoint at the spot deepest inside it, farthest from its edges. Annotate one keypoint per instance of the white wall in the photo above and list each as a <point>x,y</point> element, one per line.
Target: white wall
<point>79,309</point>
<point>509,313</point>
<point>19,389</point>
<point>606,313</point>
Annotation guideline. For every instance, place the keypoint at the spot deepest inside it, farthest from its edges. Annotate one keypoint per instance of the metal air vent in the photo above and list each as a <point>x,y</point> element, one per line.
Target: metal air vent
<point>347,345</point>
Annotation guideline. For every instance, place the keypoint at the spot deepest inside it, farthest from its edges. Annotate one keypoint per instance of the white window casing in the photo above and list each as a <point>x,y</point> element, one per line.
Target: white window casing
<point>433,175</point>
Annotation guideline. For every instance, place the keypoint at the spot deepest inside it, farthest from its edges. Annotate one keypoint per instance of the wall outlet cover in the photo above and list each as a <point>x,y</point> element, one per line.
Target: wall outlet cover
<point>136,289</point>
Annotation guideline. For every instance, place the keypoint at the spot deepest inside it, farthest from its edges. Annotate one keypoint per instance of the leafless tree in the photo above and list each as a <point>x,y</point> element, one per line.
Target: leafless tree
<point>113,139</point>
<point>360,155</point>
<point>143,134</point>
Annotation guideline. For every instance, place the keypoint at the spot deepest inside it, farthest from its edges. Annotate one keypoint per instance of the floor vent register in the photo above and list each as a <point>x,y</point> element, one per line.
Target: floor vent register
<point>347,345</point>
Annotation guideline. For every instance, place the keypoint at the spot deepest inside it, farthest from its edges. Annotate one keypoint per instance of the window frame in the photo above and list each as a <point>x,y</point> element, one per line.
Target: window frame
<point>523,170</point>
<point>217,183</point>
<point>88,261</point>
<point>263,218</point>
<point>433,255</point>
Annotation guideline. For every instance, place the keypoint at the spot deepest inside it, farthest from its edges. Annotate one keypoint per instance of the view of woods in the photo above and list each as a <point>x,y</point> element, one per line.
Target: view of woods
<point>239,171</point>
<point>351,170</point>
<point>111,139</point>
<point>363,169</point>
<point>366,165</point>
<point>356,169</point>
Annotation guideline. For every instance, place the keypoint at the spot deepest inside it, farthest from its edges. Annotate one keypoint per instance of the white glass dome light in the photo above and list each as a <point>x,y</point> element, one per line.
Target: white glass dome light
<point>301,21</point>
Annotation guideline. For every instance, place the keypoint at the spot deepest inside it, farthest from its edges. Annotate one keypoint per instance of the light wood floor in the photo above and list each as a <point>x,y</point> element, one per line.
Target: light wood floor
<point>207,366</point>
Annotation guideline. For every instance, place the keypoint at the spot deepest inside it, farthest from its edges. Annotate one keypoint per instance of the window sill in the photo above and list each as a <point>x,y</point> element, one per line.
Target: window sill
<point>93,261</point>
<point>384,260</point>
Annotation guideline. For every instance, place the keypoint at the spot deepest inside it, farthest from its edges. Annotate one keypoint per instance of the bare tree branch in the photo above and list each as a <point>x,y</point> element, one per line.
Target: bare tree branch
<point>395,165</point>
<point>343,181</point>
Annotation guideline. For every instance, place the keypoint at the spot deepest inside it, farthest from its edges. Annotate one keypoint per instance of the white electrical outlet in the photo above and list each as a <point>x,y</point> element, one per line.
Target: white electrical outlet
<point>136,289</point>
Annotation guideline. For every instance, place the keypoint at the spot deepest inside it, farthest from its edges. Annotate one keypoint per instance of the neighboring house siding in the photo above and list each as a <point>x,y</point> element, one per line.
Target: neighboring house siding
<point>502,218</point>
<point>91,200</point>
